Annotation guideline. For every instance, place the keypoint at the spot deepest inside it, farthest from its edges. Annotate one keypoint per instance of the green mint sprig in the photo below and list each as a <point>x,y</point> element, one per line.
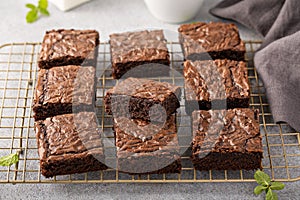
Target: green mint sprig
<point>265,184</point>
<point>33,14</point>
<point>9,160</point>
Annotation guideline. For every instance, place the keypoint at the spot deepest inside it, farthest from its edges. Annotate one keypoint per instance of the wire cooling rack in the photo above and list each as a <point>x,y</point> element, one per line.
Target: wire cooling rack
<point>18,71</point>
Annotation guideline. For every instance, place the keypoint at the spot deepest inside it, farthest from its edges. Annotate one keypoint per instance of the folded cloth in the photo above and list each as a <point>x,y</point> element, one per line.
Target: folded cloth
<point>278,59</point>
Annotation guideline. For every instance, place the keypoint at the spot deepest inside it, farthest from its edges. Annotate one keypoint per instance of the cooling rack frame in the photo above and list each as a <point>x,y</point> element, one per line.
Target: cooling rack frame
<point>18,70</point>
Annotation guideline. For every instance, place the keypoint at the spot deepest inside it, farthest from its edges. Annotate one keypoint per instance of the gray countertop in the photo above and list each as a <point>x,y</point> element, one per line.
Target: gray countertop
<point>109,16</point>
<point>106,16</point>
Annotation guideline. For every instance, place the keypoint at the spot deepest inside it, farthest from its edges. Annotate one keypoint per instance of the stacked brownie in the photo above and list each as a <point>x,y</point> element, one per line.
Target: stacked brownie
<point>142,99</point>
<point>143,110</point>
<point>216,79</point>
<point>64,99</point>
<point>145,125</point>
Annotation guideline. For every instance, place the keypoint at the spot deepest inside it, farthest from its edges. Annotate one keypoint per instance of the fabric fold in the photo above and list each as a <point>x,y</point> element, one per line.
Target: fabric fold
<point>278,59</point>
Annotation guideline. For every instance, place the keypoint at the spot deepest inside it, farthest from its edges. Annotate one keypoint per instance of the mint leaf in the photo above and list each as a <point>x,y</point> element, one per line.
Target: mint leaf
<point>267,185</point>
<point>262,178</point>
<point>35,11</point>
<point>277,186</point>
<point>31,6</point>
<point>43,4</point>
<point>259,189</point>
<point>271,195</point>
<point>44,11</point>
<point>9,160</point>
<point>32,16</point>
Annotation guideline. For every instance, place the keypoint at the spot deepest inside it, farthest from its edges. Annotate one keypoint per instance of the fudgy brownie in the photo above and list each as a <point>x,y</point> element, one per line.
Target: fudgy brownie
<point>131,49</point>
<point>142,99</point>
<point>214,40</point>
<point>64,89</point>
<point>69,144</point>
<point>217,84</point>
<point>69,47</point>
<point>146,148</point>
<point>226,140</point>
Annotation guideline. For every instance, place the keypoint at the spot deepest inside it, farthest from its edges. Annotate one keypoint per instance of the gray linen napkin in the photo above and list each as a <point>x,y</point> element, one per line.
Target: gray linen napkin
<point>278,59</point>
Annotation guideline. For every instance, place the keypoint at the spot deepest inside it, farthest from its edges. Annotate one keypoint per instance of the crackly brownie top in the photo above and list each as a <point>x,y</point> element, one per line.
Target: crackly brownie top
<point>210,37</point>
<point>137,136</point>
<point>69,43</point>
<point>219,79</point>
<point>67,134</point>
<point>65,85</point>
<point>138,46</point>
<point>145,88</point>
<point>235,130</point>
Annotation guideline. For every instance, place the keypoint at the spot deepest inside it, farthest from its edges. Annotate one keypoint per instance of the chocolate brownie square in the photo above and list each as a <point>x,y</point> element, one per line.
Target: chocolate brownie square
<point>69,144</point>
<point>147,148</point>
<point>144,99</point>
<point>216,84</point>
<point>145,51</point>
<point>214,40</point>
<point>226,140</point>
<point>69,47</point>
<point>65,89</point>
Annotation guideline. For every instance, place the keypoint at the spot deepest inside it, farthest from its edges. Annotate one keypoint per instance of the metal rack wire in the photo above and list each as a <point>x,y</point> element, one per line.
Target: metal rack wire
<point>18,71</point>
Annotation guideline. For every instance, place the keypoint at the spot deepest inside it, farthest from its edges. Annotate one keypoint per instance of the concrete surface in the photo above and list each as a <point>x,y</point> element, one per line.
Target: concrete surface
<point>109,16</point>
<point>106,16</point>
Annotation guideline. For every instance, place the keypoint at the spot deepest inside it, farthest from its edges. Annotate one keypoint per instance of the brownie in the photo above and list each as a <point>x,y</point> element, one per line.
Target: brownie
<point>147,148</point>
<point>132,49</point>
<point>65,89</point>
<point>214,40</point>
<point>216,84</point>
<point>69,144</point>
<point>144,99</point>
<point>226,140</point>
<point>69,47</point>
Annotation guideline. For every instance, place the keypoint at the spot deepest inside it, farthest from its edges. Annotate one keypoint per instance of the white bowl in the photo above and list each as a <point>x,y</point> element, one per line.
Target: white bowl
<point>174,11</point>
